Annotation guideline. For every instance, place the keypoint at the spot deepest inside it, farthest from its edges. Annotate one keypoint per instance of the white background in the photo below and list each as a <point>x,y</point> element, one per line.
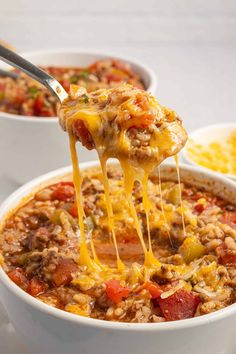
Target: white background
<point>190,44</point>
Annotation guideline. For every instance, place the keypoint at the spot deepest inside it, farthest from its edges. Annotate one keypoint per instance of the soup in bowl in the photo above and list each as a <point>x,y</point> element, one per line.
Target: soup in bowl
<point>188,293</point>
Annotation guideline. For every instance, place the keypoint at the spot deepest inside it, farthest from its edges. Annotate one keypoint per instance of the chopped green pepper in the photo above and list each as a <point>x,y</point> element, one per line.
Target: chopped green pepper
<point>82,75</point>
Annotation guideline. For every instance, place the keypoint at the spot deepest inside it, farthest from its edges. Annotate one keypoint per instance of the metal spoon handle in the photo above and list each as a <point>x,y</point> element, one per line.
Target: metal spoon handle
<point>30,69</point>
<point>8,73</point>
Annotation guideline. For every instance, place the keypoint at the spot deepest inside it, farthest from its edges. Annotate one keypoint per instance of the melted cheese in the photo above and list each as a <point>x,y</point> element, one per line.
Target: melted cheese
<point>180,193</point>
<point>110,215</point>
<point>112,141</point>
<point>85,258</point>
<point>162,206</point>
<point>147,205</point>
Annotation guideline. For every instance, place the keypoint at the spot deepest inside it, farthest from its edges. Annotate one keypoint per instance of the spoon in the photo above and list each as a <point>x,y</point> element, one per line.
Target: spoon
<point>7,73</point>
<point>32,70</point>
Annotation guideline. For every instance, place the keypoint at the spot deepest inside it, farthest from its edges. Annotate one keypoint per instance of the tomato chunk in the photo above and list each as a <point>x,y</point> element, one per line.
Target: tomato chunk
<point>64,271</point>
<point>226,255</point>
<point>199,208</point>
<point>38,105</point>
<point>154,289</point>
<point>36,287</point>
<point>73,210</point>
<point>18,276</point>
<point>82,133</point>
<point>182,304</point>
<point>63,192</point>
<point>115,291</point>
<point>141,121</point>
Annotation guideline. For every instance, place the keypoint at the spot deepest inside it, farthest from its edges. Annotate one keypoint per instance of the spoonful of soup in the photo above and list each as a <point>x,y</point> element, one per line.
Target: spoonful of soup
<point>123,122</point>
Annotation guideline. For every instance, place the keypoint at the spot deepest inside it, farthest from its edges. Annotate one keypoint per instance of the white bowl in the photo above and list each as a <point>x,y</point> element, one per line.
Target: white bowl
<point>45,329</point>
<point>207,135</point>
<point>31,146</point>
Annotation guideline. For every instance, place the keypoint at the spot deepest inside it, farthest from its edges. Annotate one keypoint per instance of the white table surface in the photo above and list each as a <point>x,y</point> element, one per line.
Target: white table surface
<point>191,46</point>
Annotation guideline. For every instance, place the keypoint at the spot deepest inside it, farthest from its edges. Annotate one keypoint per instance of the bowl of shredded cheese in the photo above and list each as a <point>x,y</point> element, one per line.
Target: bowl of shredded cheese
<point>213,147</point>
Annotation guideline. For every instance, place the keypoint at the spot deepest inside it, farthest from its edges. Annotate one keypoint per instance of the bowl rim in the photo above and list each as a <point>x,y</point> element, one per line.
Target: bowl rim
<point>70,50</point>
<point>25,190</point>
<point>188,160</point>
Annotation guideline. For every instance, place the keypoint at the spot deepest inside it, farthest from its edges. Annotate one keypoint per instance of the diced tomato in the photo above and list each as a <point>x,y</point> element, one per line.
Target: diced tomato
<point>154,289</point>
<point>82,133</point>
<point>199,208</point>
<point>115,291</point>
<point>229,218</point>
<point>226,255</point>
<point>40,108</point>
<point>141,121</point>
<point>182,304</point>
<point>146,120</point>
<point>64,191</point>
<point>73,210</point>
<point>64,271</point>
<point>36,287</point>
<point>66,85</point>
<point>38,105</point>
<point>18,276</point>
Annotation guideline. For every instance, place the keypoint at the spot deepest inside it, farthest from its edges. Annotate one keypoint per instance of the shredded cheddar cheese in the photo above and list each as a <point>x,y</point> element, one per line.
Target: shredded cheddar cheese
<point>219,157</point>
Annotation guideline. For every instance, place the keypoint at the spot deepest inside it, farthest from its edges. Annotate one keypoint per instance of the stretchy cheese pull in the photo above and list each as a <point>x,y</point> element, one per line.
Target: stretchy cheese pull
<point>84,258</point>
<point>128,124</point>
<point>180,193</point>
<point>110,215</point>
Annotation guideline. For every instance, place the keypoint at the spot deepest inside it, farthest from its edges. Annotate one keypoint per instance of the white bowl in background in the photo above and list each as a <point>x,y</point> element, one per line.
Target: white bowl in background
<point>31,146</point>
<point>207,135</point>
<point>44,329</point>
